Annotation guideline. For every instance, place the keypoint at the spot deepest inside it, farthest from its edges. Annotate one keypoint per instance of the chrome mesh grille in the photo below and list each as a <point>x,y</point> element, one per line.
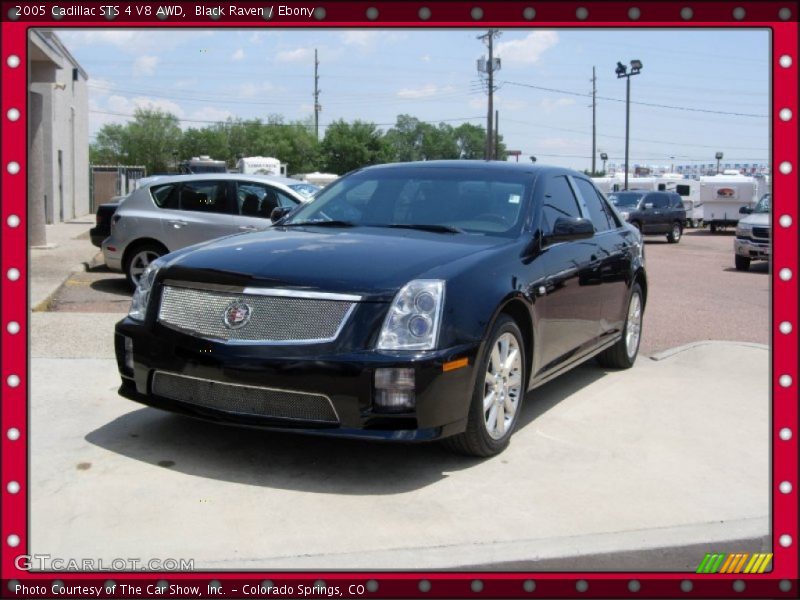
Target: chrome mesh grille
<point>245,399</point>
<point>275,319</point>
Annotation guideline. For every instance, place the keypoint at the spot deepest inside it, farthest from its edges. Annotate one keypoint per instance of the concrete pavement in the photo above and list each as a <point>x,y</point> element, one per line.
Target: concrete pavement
<point>642,469</point>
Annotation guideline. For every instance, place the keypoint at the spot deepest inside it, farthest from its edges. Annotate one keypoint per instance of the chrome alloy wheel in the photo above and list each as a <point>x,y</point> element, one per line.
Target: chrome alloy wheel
<point>140,262</point>
<point>676,232</point>
<point>633,327</point>
<point>502,386</point>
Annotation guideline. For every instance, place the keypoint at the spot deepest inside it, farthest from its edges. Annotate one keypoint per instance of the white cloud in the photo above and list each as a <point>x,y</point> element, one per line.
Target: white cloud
<point>133,41</point>
<point>252,90</point>
<point>359,37</point>
<point>207,113</point>
<point>500,102</point>
<point>529,49</point>
<point>145,65</point>
<point>550,105</point>
<point>554,143</point>
<point>127,106</point>
<point>238,55</point>
<point>426,58</point>
<point>296,55</point>
<point>424,91</point>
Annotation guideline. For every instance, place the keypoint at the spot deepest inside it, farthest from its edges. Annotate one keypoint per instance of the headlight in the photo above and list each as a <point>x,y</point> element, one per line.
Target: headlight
<point>141,296</point>
<point>744,228</point>
<point>414,318</point>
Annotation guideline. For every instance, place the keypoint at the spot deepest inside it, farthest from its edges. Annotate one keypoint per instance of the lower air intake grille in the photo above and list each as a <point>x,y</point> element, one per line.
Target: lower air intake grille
<point>245,399</point>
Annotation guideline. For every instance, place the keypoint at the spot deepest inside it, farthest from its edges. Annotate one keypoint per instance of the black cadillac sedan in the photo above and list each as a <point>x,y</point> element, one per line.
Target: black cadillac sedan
<point>414,301</point>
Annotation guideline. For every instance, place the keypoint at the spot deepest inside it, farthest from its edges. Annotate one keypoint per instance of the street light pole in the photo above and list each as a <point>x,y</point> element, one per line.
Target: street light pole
<point>622,71</point>
<point>718,156</point>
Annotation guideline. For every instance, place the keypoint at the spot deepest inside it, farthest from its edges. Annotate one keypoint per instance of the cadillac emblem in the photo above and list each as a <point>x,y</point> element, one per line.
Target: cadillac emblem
<point>236,315</point>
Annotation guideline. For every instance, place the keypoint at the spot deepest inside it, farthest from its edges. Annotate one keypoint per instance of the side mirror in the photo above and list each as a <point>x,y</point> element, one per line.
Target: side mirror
<point>566,229</point>
<point>744,210</point>
<point>278,213</point>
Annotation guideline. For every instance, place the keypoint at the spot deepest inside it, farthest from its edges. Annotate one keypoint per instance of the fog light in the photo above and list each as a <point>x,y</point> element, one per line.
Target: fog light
<point>394,389</point>
<point>129,353</point>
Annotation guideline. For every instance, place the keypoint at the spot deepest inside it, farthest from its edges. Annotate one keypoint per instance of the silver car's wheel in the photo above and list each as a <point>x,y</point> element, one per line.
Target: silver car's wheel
<point>502,386</point>
<point>140,258</point>
<point>633,327</point>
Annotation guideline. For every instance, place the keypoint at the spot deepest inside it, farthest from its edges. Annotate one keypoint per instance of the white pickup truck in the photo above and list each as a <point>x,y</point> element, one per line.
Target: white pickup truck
<point>753,234</point>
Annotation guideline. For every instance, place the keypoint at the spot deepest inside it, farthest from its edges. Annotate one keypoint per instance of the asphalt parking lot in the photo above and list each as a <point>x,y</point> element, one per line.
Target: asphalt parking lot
<point>640,469</point>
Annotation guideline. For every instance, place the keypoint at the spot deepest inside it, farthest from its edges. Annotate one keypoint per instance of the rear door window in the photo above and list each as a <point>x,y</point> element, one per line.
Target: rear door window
<point>165,196</point>
<point>205,196</point>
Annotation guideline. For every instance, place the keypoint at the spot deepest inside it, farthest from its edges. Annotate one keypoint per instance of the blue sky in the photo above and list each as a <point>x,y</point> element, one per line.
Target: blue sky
<point>205,75</point>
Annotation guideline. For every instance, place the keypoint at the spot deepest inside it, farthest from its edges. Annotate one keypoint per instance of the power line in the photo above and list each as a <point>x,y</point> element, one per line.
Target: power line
<point>686,108</point>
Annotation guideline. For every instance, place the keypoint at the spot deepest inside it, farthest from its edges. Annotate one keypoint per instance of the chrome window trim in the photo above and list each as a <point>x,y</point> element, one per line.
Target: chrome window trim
<point>253,387</point>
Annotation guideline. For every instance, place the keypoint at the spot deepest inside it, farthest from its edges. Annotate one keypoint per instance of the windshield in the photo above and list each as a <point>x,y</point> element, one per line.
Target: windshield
<point>763,204</point>
<point>440,199</point>
<point>625,199</point>
<point>306,189</point>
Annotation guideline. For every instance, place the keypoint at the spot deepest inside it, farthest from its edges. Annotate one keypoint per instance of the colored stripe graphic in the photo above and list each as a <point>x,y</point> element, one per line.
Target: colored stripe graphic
<point>702,565</point>
<point>739,562</point>
<point>727,564</point>
<point>765,563</point>
<point>717,564</point>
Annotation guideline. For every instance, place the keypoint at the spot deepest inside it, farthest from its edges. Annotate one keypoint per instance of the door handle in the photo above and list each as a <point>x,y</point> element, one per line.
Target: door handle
<point>248,228</point>
<point>177,224</point>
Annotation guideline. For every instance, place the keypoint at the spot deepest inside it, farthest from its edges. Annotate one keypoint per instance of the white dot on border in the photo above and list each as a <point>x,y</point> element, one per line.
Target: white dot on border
<point>13,540</point>
<point>13,61</point>
<point>634,585</point>
<point>634,13</point>
<point>738,13</point>
<point>785,61</point>
<point>13,380</point>
<point>13,434</point>
<point>476,13</point>
<point>529,13</point>
<point>12,221</point>
<point>12,114</point>
<point>785,434</point>
<point>372,585</point>
<point>13,274</point>
<point>12,487</point>
<point>529,585</point>
<point>686,585</point>
<point>424,13</point>
<point>13,167</point>
<point>738,585</point>
<point>785,540</point>
<point>785,114</point>
<point>476,586</point>
<point>785,220</point>
<point>785,167</point>
<point>785,487</point>
<point>12,327</point>
<point>785,585</point>
<point>686,13</point>
<point>785,327</point>
<point>582,13</point>
<point>785,380</point>
<point>424,586</point>
<point>785,274</point>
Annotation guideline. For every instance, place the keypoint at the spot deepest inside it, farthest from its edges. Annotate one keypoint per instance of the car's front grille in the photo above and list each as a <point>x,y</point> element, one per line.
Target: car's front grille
<point>268,316</point>
<point>245,399</point>
<point>761,232</point>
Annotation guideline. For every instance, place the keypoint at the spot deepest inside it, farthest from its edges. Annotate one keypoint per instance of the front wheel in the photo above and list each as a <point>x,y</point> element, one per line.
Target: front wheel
<point>623,354</point>
<point>138,260</point>
<point>742,263</point>
<point>497,397</point>
<point>674,235</point>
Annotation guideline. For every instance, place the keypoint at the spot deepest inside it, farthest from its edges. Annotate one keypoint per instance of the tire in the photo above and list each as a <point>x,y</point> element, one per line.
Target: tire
<point>486,435</point>
<point>674,236</point>
<point>623,354</point>
<point>137,259</point>
<point>742,263</point>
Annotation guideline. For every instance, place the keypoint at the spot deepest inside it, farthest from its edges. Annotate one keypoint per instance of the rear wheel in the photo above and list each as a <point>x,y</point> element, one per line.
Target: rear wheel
<point>742,263</point>
<point>139,258</point>
<point>497,396</point>
<point>623,354</point>
<point>674,235</point>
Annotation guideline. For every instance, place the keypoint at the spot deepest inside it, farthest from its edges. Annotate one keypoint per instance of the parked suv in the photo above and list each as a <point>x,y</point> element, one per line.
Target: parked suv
<point>173,212</point>
<point>752,234</point>
<point>652,212</point>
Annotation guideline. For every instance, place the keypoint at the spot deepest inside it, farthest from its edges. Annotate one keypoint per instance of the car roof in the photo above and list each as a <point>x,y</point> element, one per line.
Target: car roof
<point>491,165</point>
<point>160,179</point>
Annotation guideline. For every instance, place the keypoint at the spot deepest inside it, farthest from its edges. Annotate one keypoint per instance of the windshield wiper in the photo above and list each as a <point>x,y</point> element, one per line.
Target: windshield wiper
<point>319,224</point>
<point>428,227</point>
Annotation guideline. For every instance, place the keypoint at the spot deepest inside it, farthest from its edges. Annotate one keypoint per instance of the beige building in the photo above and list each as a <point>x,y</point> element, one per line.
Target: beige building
<point>58,122</point>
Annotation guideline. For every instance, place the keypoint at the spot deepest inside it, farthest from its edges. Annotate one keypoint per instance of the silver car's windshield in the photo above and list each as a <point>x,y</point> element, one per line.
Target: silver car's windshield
<point>439,199</point>
<point>763,205</point>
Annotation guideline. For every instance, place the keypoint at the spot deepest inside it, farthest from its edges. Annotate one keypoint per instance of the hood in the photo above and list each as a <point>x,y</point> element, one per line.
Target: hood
<point>757,219</point>
<point>373,262</point>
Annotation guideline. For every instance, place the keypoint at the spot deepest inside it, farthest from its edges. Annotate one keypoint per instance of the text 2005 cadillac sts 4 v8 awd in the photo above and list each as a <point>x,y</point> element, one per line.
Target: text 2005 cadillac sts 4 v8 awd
<point>411,301</point>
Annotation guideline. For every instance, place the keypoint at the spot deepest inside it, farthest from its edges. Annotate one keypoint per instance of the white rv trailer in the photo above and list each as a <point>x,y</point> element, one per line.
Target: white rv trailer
<point>723,195</point>
<point>261,165</point>
<point>317,178</point>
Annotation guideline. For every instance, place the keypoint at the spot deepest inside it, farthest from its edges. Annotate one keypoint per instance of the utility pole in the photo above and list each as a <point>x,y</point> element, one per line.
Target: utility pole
<point>317,106</point>
<point>594,119</point>
<point>489,67</point>
<point>496,134</point>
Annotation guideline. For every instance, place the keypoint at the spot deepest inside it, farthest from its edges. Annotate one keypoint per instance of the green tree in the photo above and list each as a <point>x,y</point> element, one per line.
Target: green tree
<point>470,140</point>
<point>348,146</point>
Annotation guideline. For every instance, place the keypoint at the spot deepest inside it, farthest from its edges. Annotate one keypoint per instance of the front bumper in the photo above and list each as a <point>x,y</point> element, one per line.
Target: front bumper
<point>346,378</point>
<point>751,248</point>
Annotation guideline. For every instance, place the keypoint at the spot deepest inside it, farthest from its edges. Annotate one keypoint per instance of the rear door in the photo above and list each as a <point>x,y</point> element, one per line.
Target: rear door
<point>196,211</point>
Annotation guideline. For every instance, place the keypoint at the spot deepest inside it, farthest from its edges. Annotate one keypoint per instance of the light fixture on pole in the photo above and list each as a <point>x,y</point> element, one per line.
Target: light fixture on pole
<point>718,156</point>
<point>622,71</point>
<point>604,158</point>
<point>533,159</point>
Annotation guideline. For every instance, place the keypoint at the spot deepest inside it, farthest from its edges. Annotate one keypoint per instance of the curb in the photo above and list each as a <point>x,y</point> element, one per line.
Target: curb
<point>669,352</point>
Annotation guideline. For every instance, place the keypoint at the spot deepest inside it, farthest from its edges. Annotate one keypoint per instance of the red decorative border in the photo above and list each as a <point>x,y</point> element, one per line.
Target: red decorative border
<point>781,582</point>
